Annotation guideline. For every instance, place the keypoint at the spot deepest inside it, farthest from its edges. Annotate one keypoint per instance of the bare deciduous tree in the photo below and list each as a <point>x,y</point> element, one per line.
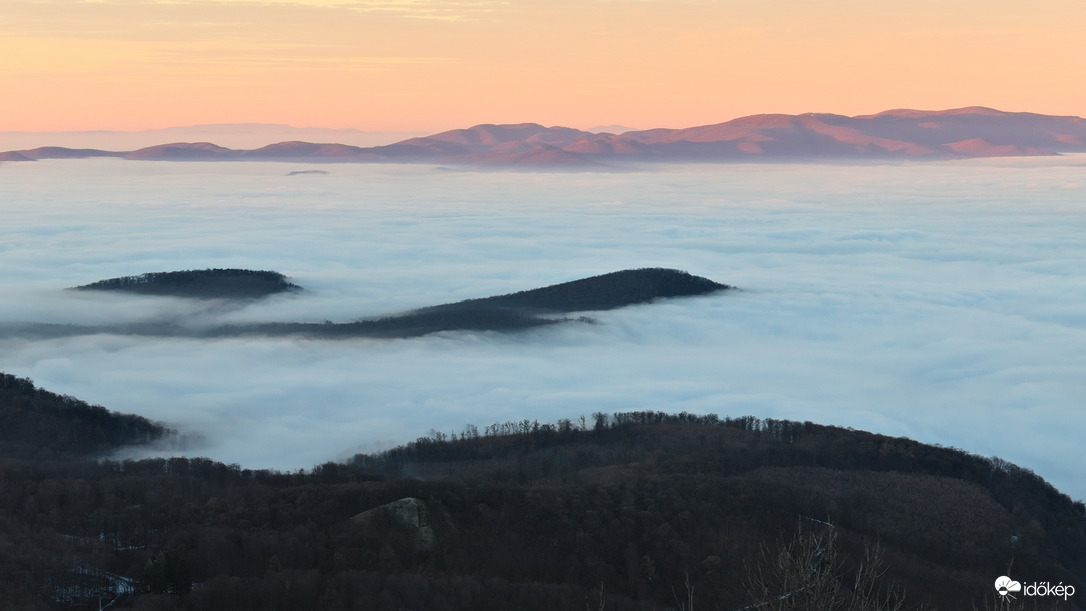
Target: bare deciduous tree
<point>808,574</point>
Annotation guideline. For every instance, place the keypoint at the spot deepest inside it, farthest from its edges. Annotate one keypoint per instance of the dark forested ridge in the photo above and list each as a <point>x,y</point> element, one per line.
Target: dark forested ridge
<point>641,511</point>
<point>200,284</point>
<point>603,292</point>
<point>514,311</point>
<point>36,423</point>
<point>503,313</point>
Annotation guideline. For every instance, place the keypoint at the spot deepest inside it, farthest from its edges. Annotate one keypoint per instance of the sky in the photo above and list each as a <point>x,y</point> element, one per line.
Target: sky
<point>431,65</point>
<point>938,301</point>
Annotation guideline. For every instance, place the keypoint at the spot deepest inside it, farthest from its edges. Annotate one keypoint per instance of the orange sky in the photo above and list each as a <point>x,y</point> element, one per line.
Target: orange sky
<point>429,65</point>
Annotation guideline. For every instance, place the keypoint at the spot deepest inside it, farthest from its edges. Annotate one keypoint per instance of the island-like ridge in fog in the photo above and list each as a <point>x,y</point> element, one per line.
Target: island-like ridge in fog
<point>199,284</point>
<point>511,312</point>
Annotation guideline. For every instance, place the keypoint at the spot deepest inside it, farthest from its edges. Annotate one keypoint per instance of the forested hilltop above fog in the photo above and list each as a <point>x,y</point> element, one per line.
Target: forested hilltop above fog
<point>514,311</point>
<point>199,284</point>
<point>960,133</point>
<point>502,313</point>
<point>602,292</point>
<point>640,510</point>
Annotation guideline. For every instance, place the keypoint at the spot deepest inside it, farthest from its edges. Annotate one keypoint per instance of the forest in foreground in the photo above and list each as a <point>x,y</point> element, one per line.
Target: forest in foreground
<point>639,510</point>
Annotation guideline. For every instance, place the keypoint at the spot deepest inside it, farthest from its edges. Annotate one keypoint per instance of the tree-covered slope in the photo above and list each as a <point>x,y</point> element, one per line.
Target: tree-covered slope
<point>637,511</point>
<point>36,423</point>
<point>514,311</point>
<point>200,284</point>
<point>603,292</point>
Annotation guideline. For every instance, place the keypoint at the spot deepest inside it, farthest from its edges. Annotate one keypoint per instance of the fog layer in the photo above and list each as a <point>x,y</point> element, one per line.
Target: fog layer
<point>938,301</point>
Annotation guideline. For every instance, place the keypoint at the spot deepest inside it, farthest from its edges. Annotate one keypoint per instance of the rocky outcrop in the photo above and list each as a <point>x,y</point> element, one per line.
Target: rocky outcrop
<point>409,514</point>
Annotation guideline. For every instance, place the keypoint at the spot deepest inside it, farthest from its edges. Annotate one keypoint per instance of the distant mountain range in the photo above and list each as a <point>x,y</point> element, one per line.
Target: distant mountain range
<point>895,134</point>
<point>232,135</point>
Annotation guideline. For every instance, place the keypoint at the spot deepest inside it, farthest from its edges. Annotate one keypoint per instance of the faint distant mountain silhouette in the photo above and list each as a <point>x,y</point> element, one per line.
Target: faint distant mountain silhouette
<point>182,151</point>
<point>61,152</point>
<point>611,129</point>
<point>895,134</point>
<point>14,156</point>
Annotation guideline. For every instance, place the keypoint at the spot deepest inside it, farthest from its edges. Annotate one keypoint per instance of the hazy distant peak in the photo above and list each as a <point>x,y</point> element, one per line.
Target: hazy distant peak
<point>490,134</point>
<point>15,156</point>
<point>187,146</point>
<point>226,126</point>
<point>61,152</point>
<point>907,113</point>
<point>182,151</point>
<point>611,129</point>
<point>297,148</point>
<point>206,146</point>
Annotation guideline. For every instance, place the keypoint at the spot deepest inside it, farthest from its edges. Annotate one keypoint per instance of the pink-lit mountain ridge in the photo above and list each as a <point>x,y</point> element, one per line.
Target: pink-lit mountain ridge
<point>896,134</point>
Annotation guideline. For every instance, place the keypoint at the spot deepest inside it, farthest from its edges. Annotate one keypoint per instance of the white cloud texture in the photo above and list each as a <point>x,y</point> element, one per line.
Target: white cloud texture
<point>938,301</point>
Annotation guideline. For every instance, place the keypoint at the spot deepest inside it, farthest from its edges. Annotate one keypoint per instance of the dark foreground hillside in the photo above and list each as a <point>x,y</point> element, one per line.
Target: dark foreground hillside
<point>38,424</point>
<point>199,284</point>
<point>634,511</point>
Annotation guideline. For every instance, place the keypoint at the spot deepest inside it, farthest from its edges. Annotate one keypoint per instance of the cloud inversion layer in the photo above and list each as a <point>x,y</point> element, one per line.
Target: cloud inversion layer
<point>936,301</point>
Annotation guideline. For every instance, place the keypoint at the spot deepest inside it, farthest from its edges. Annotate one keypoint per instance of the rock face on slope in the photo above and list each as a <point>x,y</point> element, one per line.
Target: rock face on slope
<point>407,514</point>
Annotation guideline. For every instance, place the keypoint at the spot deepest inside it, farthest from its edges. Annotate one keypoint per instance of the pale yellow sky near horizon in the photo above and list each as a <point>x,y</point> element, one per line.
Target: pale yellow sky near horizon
<point>429,65</point>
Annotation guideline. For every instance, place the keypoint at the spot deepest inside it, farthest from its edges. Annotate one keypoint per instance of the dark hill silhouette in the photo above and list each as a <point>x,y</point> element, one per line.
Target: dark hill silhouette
<point>199,284</point>
<point>603,292</point>
<point>631,510</point>
<point>512,312</point>
<point>503,313</point>
<point>38,424</point>
<point>721,488</point>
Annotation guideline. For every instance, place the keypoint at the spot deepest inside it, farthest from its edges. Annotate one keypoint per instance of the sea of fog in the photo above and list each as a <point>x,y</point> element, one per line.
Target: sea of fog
<point>945,302</point>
